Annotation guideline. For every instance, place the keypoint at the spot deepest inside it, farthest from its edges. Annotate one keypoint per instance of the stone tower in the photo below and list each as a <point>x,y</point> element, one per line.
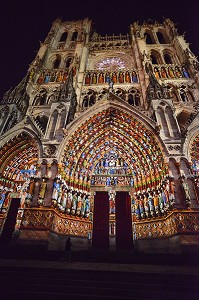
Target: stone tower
<point>104,126</point>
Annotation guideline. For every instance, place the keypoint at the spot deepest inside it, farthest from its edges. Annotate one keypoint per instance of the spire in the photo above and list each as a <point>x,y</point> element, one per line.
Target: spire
<point>18,96</point>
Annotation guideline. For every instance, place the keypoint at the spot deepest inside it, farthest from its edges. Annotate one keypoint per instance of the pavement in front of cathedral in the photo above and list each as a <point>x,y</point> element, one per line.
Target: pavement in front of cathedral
<point>137,268</point>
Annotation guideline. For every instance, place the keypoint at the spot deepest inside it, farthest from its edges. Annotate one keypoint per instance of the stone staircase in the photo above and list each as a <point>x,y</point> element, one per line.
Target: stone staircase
<point>47,283</point>
<point>28,272</point>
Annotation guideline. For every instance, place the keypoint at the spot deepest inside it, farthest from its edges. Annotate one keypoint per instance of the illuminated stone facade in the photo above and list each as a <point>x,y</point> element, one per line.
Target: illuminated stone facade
<point>114,114</point>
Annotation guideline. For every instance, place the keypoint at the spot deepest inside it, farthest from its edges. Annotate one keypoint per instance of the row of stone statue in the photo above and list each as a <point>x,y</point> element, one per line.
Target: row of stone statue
<point>48,76</point>
<point>153,203</point>
<point>170,72</point>
<point>66,199</point>
<point>3,197</point>
<point>72,202</point>
<point>106,77</point>
<point>112,180</point>
<point>112,171</point>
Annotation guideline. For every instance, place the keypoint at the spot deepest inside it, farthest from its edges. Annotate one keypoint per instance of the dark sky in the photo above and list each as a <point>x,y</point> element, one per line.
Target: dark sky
<point>23,23</point>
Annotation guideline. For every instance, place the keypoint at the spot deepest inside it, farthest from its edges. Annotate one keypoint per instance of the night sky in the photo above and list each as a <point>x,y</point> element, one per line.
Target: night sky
<point>23,23</point>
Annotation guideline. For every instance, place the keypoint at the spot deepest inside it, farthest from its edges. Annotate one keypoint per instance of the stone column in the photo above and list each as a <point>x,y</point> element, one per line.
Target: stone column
<point>52,173</point>
<point>36,191</point>
<point>194,192</point>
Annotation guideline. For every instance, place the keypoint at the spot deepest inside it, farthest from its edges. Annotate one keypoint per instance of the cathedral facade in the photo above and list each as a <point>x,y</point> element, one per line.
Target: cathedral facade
<point>100,140</point>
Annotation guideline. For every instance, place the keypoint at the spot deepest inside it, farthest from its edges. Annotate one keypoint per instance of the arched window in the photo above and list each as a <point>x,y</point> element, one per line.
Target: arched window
<point>130,99</point>
<point>183,95</point>
<point>63,37</point>
<point>161,38</point>
<point>148,38</point>
<point>137,100</point>
<point>68,62</point>
<point>102,93</point>
<point>56,63</point>
<point>42,120</point>
<point>167,59</point>
<point>85,102</point>
<point>51,99</point>
<point>154,59</point>
<point>89,99</point>
<point>120,93</point>
<point>41,98</point>
<point>133,97</point>
<point>74,36</point>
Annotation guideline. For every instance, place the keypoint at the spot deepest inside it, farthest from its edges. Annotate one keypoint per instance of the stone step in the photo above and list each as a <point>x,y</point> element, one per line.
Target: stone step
<point>78,284</point>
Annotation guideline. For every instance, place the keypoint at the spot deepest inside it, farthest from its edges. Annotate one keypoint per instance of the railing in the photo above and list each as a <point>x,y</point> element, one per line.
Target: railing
<point>108,38</point>
<point>62,45</point>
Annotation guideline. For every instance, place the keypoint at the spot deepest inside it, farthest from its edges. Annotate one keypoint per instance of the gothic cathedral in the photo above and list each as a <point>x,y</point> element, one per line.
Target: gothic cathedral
<point>100,142</point>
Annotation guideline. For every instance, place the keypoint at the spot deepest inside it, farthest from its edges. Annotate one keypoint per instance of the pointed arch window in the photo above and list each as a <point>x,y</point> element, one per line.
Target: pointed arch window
<point>68,62</point>
<point>183,92</point>
<point>183,95</point>
<point>56,63</point>
<point>41,98</point>
<point>42,120</point>
<point>130,99</point>
<point>74,36</point>
<point>85,102</point>
<point>161,38</point>
<point>89,99</point>
<point>63,37</point>
<point>154,59</point>
<point>51,99</point>
<point>148,37</point>
<point>133,97</point>
<point>120,93</point>
<point>167,59</point>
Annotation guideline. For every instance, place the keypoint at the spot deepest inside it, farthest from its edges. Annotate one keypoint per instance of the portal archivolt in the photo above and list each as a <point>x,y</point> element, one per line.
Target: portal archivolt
<point>113,137</point>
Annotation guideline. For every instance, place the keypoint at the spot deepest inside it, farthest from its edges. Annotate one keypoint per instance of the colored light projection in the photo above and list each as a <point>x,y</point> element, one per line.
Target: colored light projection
<point>19,157</point>
<point>111,63</point>
<point>113,132</point>
<point>112,170</point>
<point>195,154</point>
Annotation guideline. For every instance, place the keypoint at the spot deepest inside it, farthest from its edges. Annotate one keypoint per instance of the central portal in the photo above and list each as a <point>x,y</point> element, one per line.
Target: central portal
<point>112,220</point>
